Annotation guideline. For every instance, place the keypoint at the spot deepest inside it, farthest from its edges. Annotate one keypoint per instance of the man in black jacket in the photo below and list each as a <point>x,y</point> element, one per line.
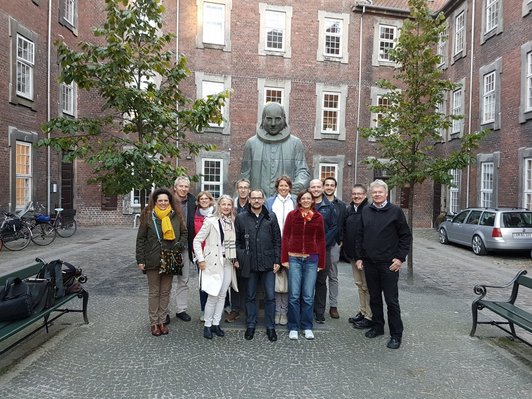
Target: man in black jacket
<point>258,248</point>
<point>383,242</point>
<point>354,215</point>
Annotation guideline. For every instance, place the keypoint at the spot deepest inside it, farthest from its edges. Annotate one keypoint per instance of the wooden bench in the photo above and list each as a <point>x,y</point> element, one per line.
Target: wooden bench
<point>10,328</point>
<point>506,309</point>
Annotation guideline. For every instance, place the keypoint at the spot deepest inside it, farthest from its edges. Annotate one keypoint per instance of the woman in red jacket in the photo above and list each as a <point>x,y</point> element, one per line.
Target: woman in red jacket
<point>303,252</point>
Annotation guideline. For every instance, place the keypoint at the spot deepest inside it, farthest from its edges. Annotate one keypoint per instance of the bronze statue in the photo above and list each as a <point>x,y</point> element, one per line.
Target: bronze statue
<point>274,152</point>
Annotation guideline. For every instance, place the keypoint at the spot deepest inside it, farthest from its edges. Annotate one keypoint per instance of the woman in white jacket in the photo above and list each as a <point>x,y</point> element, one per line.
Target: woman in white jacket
<point>216,261</point>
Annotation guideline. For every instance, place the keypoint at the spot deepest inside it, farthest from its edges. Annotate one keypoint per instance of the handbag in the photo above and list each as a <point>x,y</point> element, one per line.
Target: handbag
<point>171,259</point>
<point>281,281</point>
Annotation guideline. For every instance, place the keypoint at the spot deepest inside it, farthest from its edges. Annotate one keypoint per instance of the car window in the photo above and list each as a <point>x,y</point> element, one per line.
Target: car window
<point>473,217</point>
<point>487,219</point>
<point>517,219</point>
<point>460,217</point>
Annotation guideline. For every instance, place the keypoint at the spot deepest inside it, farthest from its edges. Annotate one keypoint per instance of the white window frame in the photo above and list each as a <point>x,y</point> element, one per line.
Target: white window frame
<point>330,112</point>
<point>213,23</point>
<point>441,109</point>
<point>459,33</point>
<point>490,95</point>
<point>68,14</point>
<point>70,11</point>
<point>454,191</point>
<point>457,108</point>
<point>337,163</point>
<point>377,58</point>
<point>492,19</point>
<point>528,85</point>
<point>221,39</point>
<point>68,100</point>
<point>443,47</point>
<point>527,183</point>
<point>285,86</point>
<point>135,198</point>
<point>207,185</point>
<point>325,170</point>
<point>208,88</point>
<point>486,184</point>
<point>340,132</point>
<point>263,49</point>
<point>525,106</point>
<point>488,98</point>
<point>23,174</point>
<point>25,65</point>
<point>324,17</point>
<point>200,78</point>
<point>386,44</point>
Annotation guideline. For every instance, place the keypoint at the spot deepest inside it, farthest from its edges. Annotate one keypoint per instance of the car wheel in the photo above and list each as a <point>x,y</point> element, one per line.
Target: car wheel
<point>443,237</point>
<point>478,246</point>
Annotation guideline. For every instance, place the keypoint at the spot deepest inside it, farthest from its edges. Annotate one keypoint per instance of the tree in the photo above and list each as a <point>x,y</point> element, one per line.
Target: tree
<point>142,128</point>
<point>409,122</point>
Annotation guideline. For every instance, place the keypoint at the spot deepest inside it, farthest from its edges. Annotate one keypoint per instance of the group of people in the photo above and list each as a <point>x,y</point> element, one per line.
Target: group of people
<point>239,243</point>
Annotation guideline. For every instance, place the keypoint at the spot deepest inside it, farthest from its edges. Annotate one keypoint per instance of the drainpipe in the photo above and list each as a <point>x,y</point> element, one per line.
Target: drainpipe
<point>48,108</point>
<point>177,53</point>
<point>357,133</point>
<point>470,123</point>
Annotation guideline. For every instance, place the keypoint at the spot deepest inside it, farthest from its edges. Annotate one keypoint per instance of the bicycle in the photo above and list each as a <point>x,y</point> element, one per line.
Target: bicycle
<point>64,223</point>
<point>42,231</point>
<point>14,232</point>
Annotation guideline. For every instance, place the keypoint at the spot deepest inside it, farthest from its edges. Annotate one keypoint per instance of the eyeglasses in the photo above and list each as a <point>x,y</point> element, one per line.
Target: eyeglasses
<point>256,198</point>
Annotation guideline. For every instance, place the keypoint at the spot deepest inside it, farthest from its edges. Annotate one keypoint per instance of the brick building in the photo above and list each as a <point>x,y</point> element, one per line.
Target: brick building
<point>320,59</point>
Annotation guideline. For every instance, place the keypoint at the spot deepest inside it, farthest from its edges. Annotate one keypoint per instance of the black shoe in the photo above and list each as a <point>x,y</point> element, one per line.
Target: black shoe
<point>320,318</point>
<point>374,333</point>
<point>359,317</point>
<point>250,332</point>
<point>362,324</point>
<point>272,335</point>
<point>394,343</point>
<point>167,321</point>
<point>218,331</point>
<point>183,316</point>
<point>207,333</point>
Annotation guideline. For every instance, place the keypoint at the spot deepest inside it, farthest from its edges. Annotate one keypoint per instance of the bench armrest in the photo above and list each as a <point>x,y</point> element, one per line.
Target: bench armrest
<point>481,289</point>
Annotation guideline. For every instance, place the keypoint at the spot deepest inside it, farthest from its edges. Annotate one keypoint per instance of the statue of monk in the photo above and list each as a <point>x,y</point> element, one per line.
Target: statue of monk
<point>274,152</point>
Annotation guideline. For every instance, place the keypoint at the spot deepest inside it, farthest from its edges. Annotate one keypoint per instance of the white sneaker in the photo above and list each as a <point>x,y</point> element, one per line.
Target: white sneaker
<point>309,334</point>
<point>292,334</point>
<point>283,320</point>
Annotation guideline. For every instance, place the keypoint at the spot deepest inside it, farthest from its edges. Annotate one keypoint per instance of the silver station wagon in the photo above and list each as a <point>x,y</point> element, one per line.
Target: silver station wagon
<point>489,229</point>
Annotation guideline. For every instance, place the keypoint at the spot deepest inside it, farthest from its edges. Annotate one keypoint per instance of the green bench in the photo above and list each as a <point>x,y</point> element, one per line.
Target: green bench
<point>47,316</point>
<point>513,314</point>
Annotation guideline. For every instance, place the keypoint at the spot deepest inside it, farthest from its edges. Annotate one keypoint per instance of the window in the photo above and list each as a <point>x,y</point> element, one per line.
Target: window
<point>440,109</point>
<point>457,110</point>
<point>386,33</point>
<point>23,167</point>
<point>490,93</point>
<point>275,30</point>
<point>527,7</point>
<point>486,185</point>
<point>378,98</point>
<point>473,217</point>
<point>211,176</point>
<point>68,14</point>
<point>330,166</point>
<point>454,191</point>
<point>333,37</point>
<point>459,33</point>
<point>68,98</point>
<point>214,84</point>
<point>136,196</point>
<point>441,50</point>
<point>214,24</point>
<point>381,102</point>
<point>527,183</point>
<point>492,20</point>
<point>487,219</point>
<point>271,90</point>
<point>328,170</point>
<point>330,112</point>
<point>488,98</point>
<point>330,120</point>
<point>25,64</point>
<point>460,217</point>
<point>525,106</point>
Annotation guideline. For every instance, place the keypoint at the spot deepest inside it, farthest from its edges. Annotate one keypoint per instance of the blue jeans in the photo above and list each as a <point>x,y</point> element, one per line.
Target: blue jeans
<point>302,275</point>
<point>268,283</point>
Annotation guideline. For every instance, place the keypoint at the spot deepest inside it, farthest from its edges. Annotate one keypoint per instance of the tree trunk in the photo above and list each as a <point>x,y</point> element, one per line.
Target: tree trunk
<point>410,259</point>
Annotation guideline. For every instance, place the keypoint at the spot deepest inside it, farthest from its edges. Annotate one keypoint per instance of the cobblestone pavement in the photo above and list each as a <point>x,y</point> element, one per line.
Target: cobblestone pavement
<point>115,355</point>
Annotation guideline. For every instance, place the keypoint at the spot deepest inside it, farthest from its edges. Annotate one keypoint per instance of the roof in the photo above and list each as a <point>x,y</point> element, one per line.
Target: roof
<point>434,5</point>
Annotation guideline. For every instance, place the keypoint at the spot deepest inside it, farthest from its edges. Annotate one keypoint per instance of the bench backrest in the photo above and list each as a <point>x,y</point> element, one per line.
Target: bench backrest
<point>28,271</point>
<point>524,280</point>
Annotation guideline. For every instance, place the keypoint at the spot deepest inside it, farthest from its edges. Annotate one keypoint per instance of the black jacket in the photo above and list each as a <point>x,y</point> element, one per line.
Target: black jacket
<point>341,213</point>
<point>258,241</point>
<point>352,221</point>
<point>383,234</point>
<point>191,208</point>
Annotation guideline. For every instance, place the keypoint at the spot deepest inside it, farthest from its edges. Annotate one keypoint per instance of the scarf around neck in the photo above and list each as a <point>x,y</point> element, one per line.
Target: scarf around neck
<point>166,224</point>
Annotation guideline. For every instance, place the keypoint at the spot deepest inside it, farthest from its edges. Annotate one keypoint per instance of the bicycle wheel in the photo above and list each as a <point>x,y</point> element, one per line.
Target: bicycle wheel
<point>66,228</point>
<point>17,240</point>
<point>43,233</point>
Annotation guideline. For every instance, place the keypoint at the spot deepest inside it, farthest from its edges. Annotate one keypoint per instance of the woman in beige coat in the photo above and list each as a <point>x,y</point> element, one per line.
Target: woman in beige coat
<point>216,261</point>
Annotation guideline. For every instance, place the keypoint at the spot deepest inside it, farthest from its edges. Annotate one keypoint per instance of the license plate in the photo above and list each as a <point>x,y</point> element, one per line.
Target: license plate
<point>522,235</point>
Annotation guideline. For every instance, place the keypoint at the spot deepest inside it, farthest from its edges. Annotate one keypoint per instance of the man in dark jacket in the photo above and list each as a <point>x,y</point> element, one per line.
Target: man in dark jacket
<point>383,242</point>
<point>354,214</point>
<point>258,248</point>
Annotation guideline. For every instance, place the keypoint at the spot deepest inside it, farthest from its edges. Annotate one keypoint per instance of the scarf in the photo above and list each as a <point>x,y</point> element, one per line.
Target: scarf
<point>307,216</point>
<point>166,224</point>
<point>229,237</point>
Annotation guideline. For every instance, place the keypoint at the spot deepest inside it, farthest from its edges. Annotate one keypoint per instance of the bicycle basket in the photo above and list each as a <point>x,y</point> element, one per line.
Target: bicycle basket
<point>42,218</point>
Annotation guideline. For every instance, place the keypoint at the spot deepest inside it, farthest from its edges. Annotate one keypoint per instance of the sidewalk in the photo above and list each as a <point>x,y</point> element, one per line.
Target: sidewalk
<point>115,356</point>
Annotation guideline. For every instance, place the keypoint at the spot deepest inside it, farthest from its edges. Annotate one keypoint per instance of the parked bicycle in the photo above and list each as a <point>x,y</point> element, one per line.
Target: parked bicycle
<point>42,231</point>
<point>44,228</point>
<point>64,223</point>
<point>15,234</point>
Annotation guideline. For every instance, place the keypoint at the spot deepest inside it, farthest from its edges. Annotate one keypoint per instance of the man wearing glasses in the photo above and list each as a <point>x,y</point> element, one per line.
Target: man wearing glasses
<point>354,212</point>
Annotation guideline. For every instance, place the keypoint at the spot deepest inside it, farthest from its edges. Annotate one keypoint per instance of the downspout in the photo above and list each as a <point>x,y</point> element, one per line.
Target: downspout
<point>357,133</point>
<point>469,122</point>
<point>177,54</point>
<point>48,108</point>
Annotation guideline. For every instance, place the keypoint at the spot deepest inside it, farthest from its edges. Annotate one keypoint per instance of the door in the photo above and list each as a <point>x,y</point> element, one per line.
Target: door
<point>67,185</point>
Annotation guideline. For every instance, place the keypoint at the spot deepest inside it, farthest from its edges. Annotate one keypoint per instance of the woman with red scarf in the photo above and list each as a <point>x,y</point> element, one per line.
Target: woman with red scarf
<point>303,252</point>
